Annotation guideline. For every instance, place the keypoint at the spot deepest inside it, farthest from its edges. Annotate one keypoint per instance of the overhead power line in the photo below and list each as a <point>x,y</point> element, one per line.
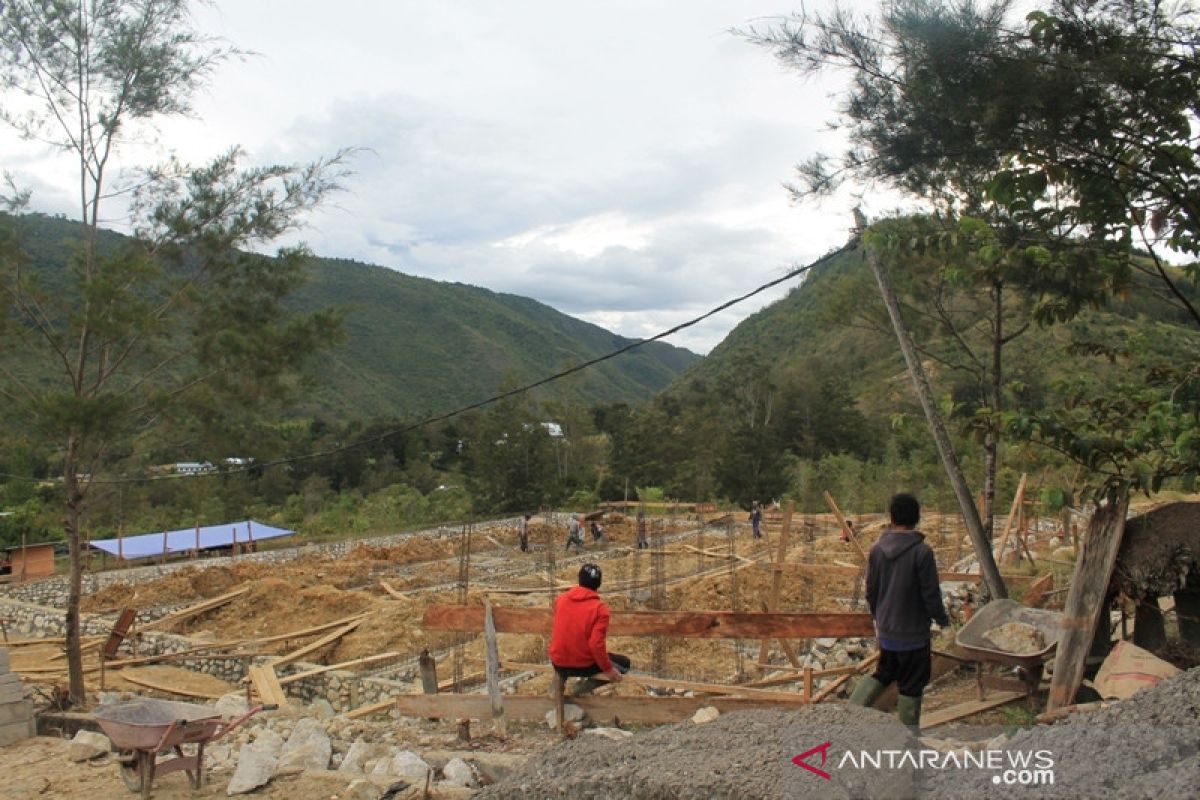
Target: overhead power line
<point>793,273</point>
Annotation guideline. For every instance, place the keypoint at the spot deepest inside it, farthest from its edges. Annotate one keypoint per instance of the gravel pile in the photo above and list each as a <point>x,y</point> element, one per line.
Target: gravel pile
<point>740,755</point>
<point>1145,747</point>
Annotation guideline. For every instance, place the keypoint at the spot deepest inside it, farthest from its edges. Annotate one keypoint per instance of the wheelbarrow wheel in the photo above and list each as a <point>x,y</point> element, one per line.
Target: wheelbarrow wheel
<point>130,764</point>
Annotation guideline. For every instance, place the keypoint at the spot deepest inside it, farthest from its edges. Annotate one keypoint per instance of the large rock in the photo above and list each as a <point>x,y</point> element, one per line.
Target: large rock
<point>310,738</point>
<point>705,715</point>
<point>616,734</point>
<point>361,790</point>
<point>322,708</point>
<point>358,754</point>
<point>268,741</point>
<point>408,765</point>
<point>308,756</point>
<point>232,704</point>
<point>571,712</point>
<point>255,767</point>
<point>459,773</point>
<point>88,745</point>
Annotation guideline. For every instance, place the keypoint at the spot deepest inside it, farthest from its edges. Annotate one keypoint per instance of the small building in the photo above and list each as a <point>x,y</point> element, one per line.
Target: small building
<point>29,562</point>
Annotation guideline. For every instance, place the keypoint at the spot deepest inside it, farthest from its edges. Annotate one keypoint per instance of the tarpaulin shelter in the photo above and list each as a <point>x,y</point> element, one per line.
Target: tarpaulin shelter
<point>203,537</point>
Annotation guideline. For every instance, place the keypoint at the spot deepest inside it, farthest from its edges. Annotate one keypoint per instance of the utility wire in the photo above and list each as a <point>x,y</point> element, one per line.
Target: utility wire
<point>793,273</point>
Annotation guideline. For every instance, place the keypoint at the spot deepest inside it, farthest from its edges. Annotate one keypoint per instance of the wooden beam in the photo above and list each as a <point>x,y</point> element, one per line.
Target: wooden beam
<point>837,513</point>
<point>387,588</point>
<point>470,677</point>
<point>1085,600</point>
<point>167,688</point>
<point>640,710</point>
<point>684,624</point>
<point>266,684</point>
<point>358,662</point>
<point>785,533</point>
<point>782,698</point>
<point>493,669</point>
<point>175,617</point>
<point>304,633</point>
<point>328,638</point>
<point>955,712</point>
<point>373,708</point>
<point>1035,595</point>
<point>1013,513</point>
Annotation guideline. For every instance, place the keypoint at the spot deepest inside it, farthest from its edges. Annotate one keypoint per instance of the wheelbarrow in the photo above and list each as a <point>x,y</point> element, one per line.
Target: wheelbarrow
<point>1028,666</point>
<point>144,729</point>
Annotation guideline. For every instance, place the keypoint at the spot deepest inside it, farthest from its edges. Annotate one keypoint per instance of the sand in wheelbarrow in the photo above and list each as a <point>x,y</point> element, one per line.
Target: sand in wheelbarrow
<point>746,754</point>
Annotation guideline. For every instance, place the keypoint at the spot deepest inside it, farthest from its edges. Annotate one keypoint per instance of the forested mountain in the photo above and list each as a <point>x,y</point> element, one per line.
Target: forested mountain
<point>414,346</point>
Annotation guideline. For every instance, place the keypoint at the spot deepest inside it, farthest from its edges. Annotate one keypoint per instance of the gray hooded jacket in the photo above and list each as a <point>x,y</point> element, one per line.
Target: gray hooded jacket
<point>903,591</point>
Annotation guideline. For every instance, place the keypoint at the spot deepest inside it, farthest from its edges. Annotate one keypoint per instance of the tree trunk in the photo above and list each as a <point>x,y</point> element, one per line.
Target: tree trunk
<point>991,445</point>
<point>76,687</point>
<point>983,551</point>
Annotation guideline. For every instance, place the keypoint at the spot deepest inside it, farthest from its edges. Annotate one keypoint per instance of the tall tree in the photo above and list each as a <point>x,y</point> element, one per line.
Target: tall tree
<point>177,318</point>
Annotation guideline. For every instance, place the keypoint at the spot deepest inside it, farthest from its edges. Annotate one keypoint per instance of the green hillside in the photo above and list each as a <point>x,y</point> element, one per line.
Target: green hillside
<point>414,345</point>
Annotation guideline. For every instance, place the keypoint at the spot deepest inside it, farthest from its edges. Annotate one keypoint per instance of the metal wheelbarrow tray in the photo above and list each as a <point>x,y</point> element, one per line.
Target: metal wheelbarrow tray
<point>142,729</point>
<point>971,641</point>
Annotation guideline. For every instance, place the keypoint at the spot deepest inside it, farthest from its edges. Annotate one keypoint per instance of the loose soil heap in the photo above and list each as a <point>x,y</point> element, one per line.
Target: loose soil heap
<point>1145,747</point>
<point>740,755</point>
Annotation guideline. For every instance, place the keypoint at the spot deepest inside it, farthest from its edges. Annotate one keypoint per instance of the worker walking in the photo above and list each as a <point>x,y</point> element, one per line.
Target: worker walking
<point>575,534</point>
<point>579,639</point>
<point>523,533</point>
<point>756,521</point>
<point>904,596</point>
<point>643,541</point>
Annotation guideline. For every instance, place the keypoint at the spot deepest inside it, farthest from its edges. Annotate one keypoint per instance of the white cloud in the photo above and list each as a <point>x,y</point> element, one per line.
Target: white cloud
<point>620,161</point>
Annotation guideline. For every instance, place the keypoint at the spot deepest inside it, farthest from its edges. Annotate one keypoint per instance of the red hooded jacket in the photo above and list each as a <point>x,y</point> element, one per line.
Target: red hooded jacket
<point>580,634</point>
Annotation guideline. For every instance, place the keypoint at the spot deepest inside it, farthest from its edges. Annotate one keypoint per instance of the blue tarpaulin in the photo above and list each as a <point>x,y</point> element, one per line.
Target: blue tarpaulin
<point>145,545</point>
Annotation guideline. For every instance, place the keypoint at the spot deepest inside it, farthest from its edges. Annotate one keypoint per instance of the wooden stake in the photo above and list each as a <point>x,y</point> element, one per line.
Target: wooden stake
<point>429,681</point>
<point>1013,514</point>
<point>493,669</point>
<point>357,662</point>
<point>328,638</point>
<point>1085,600</point>
<point>776,586</point>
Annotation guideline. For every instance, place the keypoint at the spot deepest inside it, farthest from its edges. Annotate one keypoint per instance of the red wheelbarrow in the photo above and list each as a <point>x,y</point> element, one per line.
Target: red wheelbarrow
<point>143,729</point>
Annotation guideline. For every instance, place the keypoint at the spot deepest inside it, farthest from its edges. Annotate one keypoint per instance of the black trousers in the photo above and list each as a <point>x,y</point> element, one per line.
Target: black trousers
<point>619,661</point>
<point>909,669</point>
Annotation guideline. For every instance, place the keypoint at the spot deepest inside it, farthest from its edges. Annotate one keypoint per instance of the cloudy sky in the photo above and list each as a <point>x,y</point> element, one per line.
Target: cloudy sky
<point>619,161</point>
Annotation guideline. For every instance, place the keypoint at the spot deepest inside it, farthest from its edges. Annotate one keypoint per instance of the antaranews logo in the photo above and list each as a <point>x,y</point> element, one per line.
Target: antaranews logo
<point>1010,767</point>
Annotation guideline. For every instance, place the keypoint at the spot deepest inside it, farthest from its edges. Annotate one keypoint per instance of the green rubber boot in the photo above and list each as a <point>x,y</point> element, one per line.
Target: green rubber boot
<point>909,710</point>
<point>866,692</point>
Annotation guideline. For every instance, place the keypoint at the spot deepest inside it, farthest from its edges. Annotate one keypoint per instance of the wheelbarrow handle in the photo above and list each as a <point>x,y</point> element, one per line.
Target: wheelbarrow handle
<point>237,723</point>
<point>162,743</point>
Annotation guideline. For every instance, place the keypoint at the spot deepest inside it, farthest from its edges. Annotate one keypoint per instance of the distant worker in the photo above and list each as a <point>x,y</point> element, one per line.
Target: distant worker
<point>597,532</point>
<point>575,534</point>
<point>642,541</point>
<point>904,595</point>
<point>848,531</point>
<point>579,639</point>
<point>756,521</point>
<point>523,533</point>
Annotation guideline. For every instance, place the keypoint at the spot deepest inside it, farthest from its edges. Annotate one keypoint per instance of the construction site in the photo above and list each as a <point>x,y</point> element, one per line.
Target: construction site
<point>415,665</point>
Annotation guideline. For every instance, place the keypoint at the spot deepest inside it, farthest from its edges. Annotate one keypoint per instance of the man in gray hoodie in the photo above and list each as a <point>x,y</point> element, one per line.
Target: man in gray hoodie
<point>904,595</point>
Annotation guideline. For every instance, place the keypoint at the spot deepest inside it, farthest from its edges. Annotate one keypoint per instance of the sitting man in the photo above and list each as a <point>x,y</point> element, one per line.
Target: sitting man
<point>579,641</point>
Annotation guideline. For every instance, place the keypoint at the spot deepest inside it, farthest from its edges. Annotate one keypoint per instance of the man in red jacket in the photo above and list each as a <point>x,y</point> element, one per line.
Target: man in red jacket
<point>579,641</point>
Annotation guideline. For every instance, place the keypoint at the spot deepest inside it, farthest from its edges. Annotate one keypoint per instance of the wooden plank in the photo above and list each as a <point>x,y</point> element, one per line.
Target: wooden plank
<point>170,620</point>
<point>139,680</point>
<point>633,679</point>
<point>684,624</point>
<point>640,710</point>
<point>387,588</point>
<point>849,531</point>
<point>120,630</point>
<point>266,684</point>
<point>493,669</point>
<point>785,533</point>
<point>1035,595</point>
<point>357,662</point>
<point>372,708</point>
<point>1085,600</point>
<point>1013,512</point>
<point>955,712</point>
<point>470,677</point>
<point>328,638</point>
<point>428,666</point>
<point>304,633</point>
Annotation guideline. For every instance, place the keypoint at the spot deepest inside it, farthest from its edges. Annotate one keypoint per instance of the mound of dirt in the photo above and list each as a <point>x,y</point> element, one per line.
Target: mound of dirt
<point>1145,747</point>
<point>740,755</point>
